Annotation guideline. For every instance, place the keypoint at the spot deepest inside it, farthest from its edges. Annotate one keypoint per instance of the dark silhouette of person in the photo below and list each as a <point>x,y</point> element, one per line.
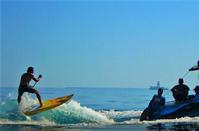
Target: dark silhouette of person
<point>155,104</point>
<point>157,101</point>
<point>180,91</point>
<point>25,85</point>
<point>196,89</point>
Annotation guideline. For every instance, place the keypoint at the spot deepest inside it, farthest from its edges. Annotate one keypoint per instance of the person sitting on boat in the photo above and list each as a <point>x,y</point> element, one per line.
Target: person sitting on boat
<point>196,89</point>
<point>157,100</point>
<point>155,104</point>
<point>180,91</point>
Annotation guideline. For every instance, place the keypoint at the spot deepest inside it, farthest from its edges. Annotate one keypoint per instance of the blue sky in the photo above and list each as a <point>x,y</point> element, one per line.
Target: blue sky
<point>100,44</point>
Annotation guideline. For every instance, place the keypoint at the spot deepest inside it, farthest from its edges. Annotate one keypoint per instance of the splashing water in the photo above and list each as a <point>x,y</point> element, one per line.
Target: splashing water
<point>73,113</point>
<point>26,102</point>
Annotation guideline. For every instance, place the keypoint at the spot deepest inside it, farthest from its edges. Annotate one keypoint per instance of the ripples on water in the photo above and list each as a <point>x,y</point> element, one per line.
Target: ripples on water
<point>75,116</point>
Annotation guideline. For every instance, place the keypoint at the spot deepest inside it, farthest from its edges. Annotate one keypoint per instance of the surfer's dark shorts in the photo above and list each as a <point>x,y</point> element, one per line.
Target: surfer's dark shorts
<point>28,89</point>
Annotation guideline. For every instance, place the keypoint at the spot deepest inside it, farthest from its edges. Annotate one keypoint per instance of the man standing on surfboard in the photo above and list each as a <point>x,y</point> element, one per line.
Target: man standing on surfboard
<point>25,85</point>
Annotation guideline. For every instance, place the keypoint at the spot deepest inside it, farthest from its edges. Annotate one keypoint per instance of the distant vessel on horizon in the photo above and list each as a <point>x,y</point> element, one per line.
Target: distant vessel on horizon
<point>157,87</point>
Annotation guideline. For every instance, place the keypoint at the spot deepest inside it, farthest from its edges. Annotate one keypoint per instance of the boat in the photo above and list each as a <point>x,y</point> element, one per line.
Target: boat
<point>157,87</point>
<point>173,110</point>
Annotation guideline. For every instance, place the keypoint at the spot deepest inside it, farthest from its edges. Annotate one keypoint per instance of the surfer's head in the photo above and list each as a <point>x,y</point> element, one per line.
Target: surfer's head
<point>180,81</point>
<point>30,70</point>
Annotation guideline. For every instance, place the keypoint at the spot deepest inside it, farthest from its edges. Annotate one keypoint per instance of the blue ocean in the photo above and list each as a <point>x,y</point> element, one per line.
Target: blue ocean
<point>91,109</point>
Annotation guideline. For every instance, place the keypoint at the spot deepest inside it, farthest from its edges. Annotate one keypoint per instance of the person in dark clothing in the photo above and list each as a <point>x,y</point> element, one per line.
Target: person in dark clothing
<point>157,100</point>
<point>180,91</point>
<point>196,89</point>
<point>196,95</point>
<point>155,104</point>
<point>25,85</point>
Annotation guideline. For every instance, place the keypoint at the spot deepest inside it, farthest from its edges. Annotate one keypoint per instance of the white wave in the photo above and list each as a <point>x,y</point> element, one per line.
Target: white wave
<point>43,122</point>
<point>71,110</point>
<point>177,120</point>
<point>121,114</point>
<point>164,121</point>
<point>84,113</point>
<point>132,122</point>
<point>134,115</point>
<point>26,102</point>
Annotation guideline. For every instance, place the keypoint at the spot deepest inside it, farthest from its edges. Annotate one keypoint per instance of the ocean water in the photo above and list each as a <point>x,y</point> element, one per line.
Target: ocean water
<point>91,109</point>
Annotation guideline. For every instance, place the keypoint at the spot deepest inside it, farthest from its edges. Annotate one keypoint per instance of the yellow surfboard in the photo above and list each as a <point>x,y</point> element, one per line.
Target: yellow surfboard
<point>49,104</point>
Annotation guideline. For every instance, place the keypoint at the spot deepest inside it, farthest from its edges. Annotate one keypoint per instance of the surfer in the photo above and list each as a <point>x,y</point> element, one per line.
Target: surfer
<point>180,91</point>
<point>25,85</point>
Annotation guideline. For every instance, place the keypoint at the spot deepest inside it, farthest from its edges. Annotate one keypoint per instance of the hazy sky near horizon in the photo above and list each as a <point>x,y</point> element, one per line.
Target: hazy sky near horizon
<point>100,44</point>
